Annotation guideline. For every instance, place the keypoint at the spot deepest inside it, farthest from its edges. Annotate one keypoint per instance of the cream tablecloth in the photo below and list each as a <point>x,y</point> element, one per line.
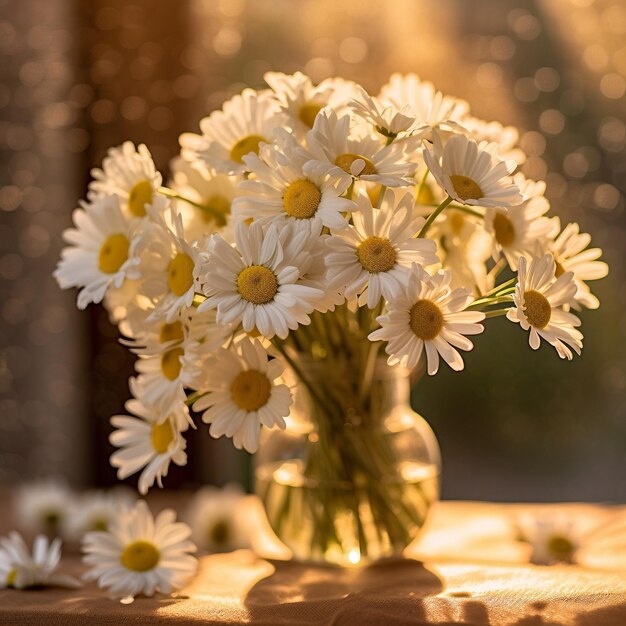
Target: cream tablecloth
<point>472,571</point>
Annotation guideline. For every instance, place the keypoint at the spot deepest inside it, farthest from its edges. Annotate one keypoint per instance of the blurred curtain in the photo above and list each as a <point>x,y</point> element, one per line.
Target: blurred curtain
<point>79,77</point>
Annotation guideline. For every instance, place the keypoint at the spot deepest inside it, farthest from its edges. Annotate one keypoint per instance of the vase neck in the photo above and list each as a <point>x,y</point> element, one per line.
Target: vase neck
<point>349,394</point>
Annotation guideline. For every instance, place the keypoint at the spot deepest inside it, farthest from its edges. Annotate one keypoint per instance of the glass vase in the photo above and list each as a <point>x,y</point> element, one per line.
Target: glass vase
<point>350,480</point>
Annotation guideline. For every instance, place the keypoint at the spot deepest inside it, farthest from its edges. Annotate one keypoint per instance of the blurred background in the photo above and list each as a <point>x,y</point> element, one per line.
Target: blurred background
<point>78,77</point>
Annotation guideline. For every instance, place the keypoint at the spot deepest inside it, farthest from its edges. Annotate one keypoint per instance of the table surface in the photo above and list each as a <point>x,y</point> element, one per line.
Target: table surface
<point>468,569</point>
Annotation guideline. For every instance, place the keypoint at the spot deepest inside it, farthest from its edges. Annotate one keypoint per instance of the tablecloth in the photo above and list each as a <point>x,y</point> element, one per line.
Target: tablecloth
<point>468,569</point>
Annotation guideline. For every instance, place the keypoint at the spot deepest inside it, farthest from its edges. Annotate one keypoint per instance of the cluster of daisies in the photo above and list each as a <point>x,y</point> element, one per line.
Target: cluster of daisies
<point>299,201</point>
<point>128,550</point>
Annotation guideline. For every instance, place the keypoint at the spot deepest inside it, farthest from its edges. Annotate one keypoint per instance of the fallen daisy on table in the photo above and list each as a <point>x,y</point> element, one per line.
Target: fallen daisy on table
<point>22,570</point>
<point>217,519</point>
<point>140,554</point>
<point>43,506</point>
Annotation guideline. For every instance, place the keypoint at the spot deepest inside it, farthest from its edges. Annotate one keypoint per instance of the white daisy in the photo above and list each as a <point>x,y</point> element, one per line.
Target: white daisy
<point>212,195</point>
<point>303,240</point>
<point>521,230</point>
<point>217,519</point>
<point>429,107</point>
<point>101,253</point>
<point>570,255</point>
<point>245,122</point>
<point>539,298</point>
<point>280,189</point>
<point>148,442</point>
<point>464,248</point>
<point>506,137</point>
<point>141,554</point>
<point>302,101</point>
<point>345,157</point>
<point>387,120</point>
<point>553,539</point>
<point>243,392</point>
<point>22,570</point>
<point>372,257</point>
<point>428,316</point>
<point>95,510</point>
<point>257,284</point>
<point>43,506</point>
<point>128,173</point>
<point>472,173</point>
<point>168,263</point>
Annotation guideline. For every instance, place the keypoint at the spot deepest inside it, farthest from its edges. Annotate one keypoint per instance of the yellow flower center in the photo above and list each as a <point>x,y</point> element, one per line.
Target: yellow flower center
<point>465,187</point>
<point>560,547</point>
<point>308,112</point>
<point>251,390</point>
<point>426,319</point>
<point>257,284</point>
<point>344,161</point>
<point>180,274</point>
<point>140,556</point>
<point>245,146</point>
<point>140,195</point>
<point>219,533</point>
<point>161,436</point>
<point>503,229</point>
<point>99,525</point>
<point>114,253</point>
<point>537,308</point>
<point>217,203</point>
<point>170,363</point>
<point>376,254</point>
<point>11,576</point>
<point>301,199</point>
<point>171,332</point>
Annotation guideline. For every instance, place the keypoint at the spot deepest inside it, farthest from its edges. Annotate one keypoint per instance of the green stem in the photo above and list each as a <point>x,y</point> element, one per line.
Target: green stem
<point>433,216</point>
<point>496,313</point>
<point>218,216</point>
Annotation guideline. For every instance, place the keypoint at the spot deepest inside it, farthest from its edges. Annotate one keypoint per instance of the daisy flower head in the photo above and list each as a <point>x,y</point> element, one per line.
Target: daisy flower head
<point>257,283</point>
<point>301,100</point>
<point>506,137</point>
<point>343,156</point>
<point>212,196</point>
<point>371,258</point>
<point>140,553</point>
<point>243,392</point>
<point>281,191</point>
<point>43,506</point>
<point>473,173</point>
<point>386,119</point>
<point>539,299</point>
<point>571,254</point>
<point>244,123</point>
<point>217,519</point>
<point>429,107</point>
<point>96,510</point>
<point>521,230</point>
<point>102,251</point>
<point>429,317</point>
<point>464,247</point>
<point>21,569</point>
<point>128,173</point>
<point>168,263</point>
<point>148,442</point>
<point>552,539</point>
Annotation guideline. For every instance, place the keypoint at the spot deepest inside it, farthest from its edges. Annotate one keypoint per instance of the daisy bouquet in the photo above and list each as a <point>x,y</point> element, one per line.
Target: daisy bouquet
<point>305,231</point>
